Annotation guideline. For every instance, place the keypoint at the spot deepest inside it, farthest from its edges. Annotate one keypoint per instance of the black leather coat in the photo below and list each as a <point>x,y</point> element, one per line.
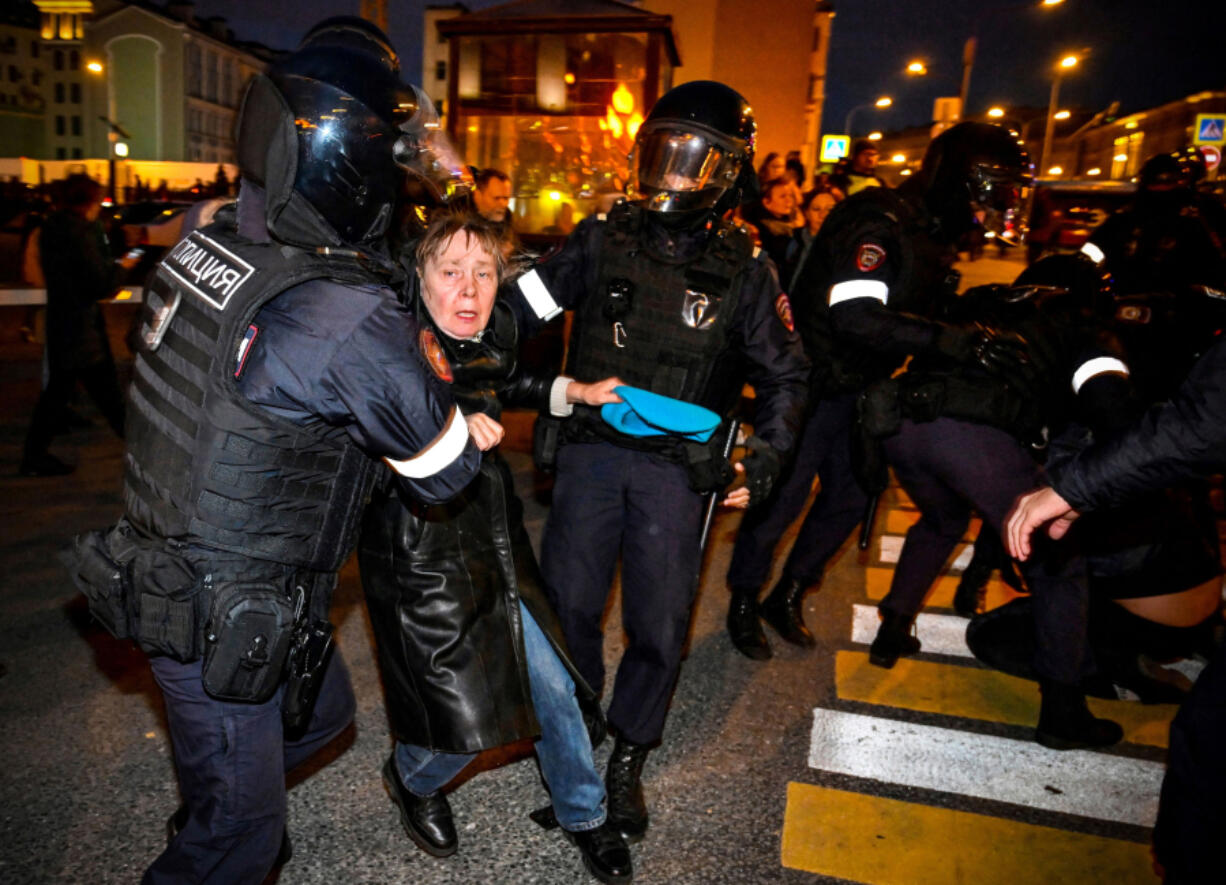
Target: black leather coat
<point>442,582</point>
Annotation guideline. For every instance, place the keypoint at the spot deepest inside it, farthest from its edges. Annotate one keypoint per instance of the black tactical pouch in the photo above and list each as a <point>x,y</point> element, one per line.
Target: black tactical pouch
<point>171,600</point>
<point>546,438</point>
<point>309,654</point>
<point>247,640</point>
<point>105,582</point>
<point>879,410</point>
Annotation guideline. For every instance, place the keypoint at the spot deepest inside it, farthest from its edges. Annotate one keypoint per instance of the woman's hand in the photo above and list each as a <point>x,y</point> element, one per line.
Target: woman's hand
<point>484,430</point>
<point>595,394</point>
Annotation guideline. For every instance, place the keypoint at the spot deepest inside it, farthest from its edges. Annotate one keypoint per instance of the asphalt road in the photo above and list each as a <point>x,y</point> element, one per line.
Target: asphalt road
<point>810,767</point>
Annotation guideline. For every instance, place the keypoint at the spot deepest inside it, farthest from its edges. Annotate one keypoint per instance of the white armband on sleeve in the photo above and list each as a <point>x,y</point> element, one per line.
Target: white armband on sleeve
<point>1092,252</point>
<point>558,406</point>
<point>538,297</point>
<point>852,289</point>
<point>440,454</point>
<point>1100,365</point>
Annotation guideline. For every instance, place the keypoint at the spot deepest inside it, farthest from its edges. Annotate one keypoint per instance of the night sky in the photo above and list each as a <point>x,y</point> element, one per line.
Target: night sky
<point>1142,52</point>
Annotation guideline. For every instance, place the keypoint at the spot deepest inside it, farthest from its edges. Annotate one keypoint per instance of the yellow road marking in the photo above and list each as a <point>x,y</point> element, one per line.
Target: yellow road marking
<point>888,842</point>
<point>877,584</point>
<point>987,695</point>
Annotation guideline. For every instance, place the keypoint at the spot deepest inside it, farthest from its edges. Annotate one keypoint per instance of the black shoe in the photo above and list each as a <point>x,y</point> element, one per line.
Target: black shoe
<point>971,593</point>
<point>177,821</point>
<point>44,465</point>
<point>604,853</point>
<point>1066,723</point>
<point>427,819</point>
<point>782,611</point>
<point>743,627</point>
<point>623,782</point>
<point>894,640</point>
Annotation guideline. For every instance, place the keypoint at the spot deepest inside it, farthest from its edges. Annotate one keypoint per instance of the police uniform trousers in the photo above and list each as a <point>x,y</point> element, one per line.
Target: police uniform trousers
<point>949,467</point>
<point>231,760</point>
<point>607,501</point>
<point>824,451</point>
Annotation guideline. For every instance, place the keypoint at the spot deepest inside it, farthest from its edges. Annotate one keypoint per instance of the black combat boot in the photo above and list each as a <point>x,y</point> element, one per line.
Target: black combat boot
<point>1066,723</point>
<point>782,611</point>
<point>604,853</point>
<point>894,640</point>
<point>743,627</point>
<point>624,784</point>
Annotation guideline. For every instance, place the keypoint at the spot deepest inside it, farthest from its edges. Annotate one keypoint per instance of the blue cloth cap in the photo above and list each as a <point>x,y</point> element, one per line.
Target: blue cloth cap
<point>643,413</point>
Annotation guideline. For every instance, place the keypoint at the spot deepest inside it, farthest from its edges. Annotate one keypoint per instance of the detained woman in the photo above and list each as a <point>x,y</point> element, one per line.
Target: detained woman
<point>471,653</point>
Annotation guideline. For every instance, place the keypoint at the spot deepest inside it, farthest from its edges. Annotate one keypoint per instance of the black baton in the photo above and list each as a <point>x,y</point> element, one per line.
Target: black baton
<point>713,497</point>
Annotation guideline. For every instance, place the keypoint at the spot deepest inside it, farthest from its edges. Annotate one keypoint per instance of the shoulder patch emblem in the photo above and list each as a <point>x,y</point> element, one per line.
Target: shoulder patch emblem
<point>783,307</point>
<point>432,353</point>
<point>869,257</point>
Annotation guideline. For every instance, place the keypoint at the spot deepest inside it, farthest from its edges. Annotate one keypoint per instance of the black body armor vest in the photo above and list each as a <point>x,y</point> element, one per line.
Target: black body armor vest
<point>662,324</point>
<point>206,466</point>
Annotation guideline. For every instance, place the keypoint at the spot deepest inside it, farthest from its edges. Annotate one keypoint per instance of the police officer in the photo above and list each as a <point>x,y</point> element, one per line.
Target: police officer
<point>669,298</point>
<point>1166,253</point>
<point>866,297</point>
<point>961,439</point>
<point>276,371</point>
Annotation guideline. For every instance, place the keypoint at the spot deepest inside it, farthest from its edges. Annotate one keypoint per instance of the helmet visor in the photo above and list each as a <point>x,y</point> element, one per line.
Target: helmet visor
<point>424,151</point>
<point>676,170</point>
<point>995,189</point>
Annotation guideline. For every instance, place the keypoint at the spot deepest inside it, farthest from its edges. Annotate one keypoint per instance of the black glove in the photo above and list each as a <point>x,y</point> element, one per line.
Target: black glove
<point>762,467</point>
<point>1002,353</point>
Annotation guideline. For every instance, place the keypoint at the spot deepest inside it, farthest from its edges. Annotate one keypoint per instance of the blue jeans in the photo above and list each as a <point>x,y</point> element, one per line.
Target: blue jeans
<point>231,759</point>
<point>563,749</point>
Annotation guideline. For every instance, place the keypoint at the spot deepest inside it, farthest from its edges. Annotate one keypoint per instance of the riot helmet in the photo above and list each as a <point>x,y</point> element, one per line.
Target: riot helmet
<point>693,155</point>
<point>329,132</point>
<point>1087,285</point>
<point>1167,182</point>
<point>973,175</point>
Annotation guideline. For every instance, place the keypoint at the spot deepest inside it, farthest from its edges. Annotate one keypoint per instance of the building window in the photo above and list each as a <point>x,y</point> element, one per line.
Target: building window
<point>36,77</point>
<point>61,154</point>
<point>440,70</point>
<point>59,124</point>
<point>76,153</point>
<point>74,61</point>
<point>58,59</point>
<point>59,93</point>
<point>195,78</point>
<point>76,125</point>
<point>14,74</point>
<point>75,92</point>
<point>34,47</point>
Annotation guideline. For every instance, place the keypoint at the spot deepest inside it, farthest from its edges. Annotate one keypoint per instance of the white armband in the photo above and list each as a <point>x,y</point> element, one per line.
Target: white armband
<point>537,295</point>
<point>851,289</point>
<point>1100,365</point>
<point>440,454</point>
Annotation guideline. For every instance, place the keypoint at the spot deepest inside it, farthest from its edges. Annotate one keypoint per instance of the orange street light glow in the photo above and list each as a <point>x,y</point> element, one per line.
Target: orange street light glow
<point>1062,115</point>
<point>884,102</point>
<point>996,112</point>
<point>1094,171</point>
<point>1068,61</point>
<point>1056,170</point>
<point>874,136</point>
<point>917,67</point>
<point>898,158</point>
<point>94,67</point>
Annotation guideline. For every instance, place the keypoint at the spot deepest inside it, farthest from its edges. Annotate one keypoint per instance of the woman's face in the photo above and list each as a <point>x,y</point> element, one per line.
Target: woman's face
<point>819,208</point>
<point>774,169</point>
<point>458,285</point>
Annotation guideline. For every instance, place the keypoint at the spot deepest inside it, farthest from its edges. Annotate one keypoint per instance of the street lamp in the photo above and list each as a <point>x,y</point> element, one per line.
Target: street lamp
<point>917,68</point>
<point>968,51</point>
<point>1066,64</point>
<point>884,102</point>
<point>114,132</point>
<point>996,113</point>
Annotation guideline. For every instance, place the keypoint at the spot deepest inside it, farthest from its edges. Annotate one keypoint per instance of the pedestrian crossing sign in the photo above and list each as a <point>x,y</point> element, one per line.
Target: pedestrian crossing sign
<point>1210,129</point>
<point>834,148</point>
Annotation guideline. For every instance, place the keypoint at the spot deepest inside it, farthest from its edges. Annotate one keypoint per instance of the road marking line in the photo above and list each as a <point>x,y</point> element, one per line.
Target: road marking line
<point>986,695</point>
<point>1079,782</point>
<point>891,549</point>
<point>881,841</point>
<point>877,585</point>
<point>939,634</point>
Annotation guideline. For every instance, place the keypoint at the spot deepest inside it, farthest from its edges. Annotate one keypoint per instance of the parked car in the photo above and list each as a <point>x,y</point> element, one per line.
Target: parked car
<point>1064,213</point>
